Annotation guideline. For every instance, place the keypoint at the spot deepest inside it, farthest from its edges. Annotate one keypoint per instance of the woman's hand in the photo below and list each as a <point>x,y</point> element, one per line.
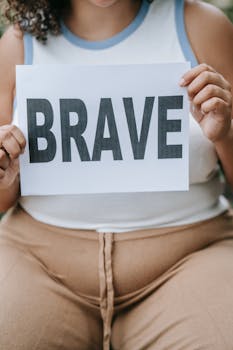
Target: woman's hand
<point>211,100</point>
<point>12,144</point>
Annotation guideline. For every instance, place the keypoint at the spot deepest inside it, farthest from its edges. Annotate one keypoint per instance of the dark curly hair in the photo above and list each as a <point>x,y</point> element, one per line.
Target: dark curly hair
<point>36,17</point>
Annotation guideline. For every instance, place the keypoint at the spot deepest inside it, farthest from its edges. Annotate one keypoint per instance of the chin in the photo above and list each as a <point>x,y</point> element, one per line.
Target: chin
<point>103,3</point>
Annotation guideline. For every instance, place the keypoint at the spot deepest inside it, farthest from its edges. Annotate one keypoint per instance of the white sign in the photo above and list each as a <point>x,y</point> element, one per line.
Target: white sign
<point>100,129</point>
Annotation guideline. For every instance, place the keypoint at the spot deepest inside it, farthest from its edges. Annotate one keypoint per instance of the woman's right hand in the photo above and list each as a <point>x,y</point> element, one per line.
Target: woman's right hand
<point>12,144</point>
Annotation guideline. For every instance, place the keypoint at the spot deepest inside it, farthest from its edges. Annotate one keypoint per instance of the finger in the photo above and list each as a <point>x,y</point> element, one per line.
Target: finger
<point>207,78</point>
<point>212,91</point>
<point>17,133</point>
<point>11,146</point>
<point>194,72</point>
<point>4,160</point>
<point>215,104</point>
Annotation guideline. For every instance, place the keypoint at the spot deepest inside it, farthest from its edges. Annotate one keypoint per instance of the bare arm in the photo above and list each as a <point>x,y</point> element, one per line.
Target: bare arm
<point>211,37</point>
<point>11,53</point>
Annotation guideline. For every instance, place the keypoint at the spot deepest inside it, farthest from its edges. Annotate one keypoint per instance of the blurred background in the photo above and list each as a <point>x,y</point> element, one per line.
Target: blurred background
<point>225,5</point>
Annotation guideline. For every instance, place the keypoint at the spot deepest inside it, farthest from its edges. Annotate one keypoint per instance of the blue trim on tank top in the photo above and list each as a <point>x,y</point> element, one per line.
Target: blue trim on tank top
<point>28,49</point>
<point>182,34</point>
<point>116,39</point>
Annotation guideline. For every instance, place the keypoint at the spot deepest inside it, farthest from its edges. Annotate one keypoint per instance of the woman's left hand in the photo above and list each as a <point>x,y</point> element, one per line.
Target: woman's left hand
<point>211,100</point>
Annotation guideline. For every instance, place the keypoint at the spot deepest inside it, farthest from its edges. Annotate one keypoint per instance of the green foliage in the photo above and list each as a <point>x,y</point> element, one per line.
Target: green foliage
<point>225,5</point>
<point>1,27</point>
<point>229,13</point>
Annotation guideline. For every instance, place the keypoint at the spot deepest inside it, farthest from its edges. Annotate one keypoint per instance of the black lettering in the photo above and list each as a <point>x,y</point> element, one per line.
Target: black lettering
<point>73,131</point>
<point>165,126</point>
<point>138,144</point>
<point>35,131</point>
<point>111,143</point>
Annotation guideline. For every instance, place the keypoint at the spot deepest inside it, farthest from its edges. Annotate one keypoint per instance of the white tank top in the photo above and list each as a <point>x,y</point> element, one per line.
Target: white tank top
<point>157,34</point>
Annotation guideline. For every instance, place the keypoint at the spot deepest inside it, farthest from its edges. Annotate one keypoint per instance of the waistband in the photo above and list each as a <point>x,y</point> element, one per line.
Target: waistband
<point>221,219</point>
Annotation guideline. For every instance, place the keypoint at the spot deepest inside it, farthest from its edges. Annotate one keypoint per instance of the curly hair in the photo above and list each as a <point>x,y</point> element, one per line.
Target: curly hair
<point>36,17</point>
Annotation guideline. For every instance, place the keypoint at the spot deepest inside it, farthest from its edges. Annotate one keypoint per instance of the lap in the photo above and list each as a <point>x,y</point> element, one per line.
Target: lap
<point>38,312</point>
<point>192,310</point>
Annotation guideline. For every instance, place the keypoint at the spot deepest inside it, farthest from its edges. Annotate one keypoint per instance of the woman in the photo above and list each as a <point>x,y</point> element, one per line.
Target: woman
<point>134,270</point>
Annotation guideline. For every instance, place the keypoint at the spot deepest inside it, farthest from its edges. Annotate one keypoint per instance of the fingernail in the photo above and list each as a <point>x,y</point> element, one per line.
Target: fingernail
<point>193,107</point>
<point>182,82</point>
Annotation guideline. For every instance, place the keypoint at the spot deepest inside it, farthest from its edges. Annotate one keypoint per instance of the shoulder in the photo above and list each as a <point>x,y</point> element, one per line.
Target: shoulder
<point>210,34</point>
<point>11,46</point>
<point>207,21</point>
<point>11,49</point>
<point>11,54</point>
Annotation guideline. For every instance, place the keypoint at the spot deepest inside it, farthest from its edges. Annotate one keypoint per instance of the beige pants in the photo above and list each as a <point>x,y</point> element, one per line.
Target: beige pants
<point>160,289</point>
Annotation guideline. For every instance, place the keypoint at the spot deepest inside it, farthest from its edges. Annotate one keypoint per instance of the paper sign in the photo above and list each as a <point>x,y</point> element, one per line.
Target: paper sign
<point>102,129</point>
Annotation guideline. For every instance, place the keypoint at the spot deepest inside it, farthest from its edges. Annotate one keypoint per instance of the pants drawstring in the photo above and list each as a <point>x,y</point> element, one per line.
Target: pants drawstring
<point>106,285</point>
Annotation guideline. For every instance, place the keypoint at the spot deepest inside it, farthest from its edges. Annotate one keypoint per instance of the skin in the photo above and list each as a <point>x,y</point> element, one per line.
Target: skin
<point>208,84</point>
<point>108,17</point>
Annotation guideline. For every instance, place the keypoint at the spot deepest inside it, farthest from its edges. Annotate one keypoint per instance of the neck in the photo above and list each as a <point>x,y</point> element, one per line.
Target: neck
<point>95,23</point>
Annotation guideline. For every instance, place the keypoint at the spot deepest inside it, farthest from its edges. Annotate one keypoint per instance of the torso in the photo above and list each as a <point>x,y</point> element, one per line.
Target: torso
<point>152,37</point>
